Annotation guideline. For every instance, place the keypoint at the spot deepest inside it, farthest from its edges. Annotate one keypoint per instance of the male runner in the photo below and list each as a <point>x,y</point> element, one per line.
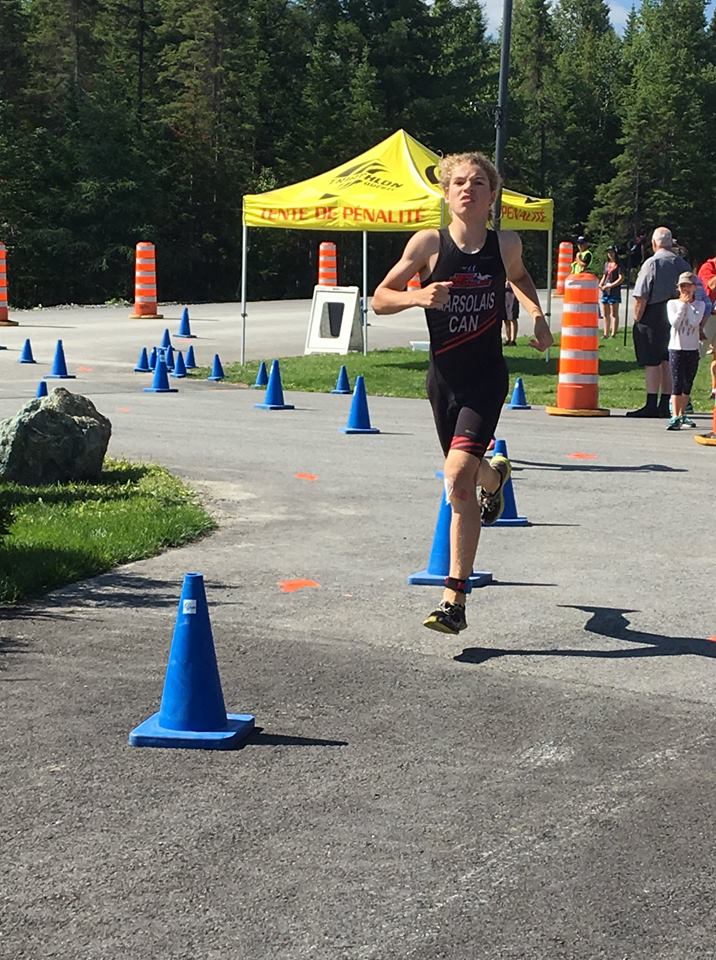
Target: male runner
<point>463,269</point>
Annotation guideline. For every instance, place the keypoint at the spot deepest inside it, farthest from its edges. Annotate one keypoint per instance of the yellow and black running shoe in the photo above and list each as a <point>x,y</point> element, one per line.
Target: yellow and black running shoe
<point>492,504</point>
<point>447,618</point>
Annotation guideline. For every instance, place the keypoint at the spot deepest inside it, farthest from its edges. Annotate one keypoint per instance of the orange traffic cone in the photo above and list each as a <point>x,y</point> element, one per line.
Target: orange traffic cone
<point>578,379</point>
<point>415,283</point>
<point>327,265</point>
<point>145,284</point>
<point>708,439</point>
<point>564,265</point>
<point>5,320</point>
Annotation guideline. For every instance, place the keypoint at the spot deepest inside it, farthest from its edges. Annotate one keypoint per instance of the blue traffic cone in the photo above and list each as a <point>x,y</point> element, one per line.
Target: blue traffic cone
<point>26,353</point>
<point>342,383</point>
<point>160,383</point>
<point>59,367</point>
<point>192,713</point>
<point>519,400</point>
<point>359,418</point>
<point>439,561</point>
<point>166,339</point>
<point>274,392</point>
<point>179,366</point>
<point>143,362</point>
<point>169,357</point>
<point>41,389</point>
<point>217,371</point>
<point>190,362</point>
<point>184,327</point>
<point>153,358</point>
<point>509,516</point>
<point>261,377</point>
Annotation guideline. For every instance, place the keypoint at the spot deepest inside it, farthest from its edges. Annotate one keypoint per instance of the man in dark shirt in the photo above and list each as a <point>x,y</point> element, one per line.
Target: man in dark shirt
<point>463,270</point>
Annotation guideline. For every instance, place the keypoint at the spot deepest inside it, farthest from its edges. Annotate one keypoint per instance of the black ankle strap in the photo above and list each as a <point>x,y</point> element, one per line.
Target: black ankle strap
<point>452,584</point>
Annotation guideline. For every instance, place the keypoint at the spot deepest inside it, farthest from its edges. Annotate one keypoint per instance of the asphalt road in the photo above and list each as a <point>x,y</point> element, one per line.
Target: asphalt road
<point>537,788</point>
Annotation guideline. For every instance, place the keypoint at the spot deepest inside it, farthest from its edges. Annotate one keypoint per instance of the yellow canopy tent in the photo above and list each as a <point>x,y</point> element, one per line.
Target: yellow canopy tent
<point>391,187</point>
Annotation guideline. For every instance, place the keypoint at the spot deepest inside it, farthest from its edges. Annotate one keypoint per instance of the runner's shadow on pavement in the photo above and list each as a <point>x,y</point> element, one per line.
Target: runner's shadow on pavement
<point>261,739</point>
<point>606,622</point>
<point>597,468</point>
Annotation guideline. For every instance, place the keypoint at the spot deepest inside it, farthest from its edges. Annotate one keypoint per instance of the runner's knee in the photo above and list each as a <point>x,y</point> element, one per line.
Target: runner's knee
<point>459,487</point>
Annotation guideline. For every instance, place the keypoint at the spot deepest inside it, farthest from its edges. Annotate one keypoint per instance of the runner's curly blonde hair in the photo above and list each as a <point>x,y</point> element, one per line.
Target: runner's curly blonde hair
<point>452,160</point>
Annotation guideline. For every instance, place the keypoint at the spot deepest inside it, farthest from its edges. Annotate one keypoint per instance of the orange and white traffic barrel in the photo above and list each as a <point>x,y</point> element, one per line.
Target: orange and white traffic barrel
<point>145,283</point>
<point>414,283</point>
<point>327,265</point>
<point>564,265</point>
<point>578,375</point>
<point>5,320</point>
<point>708,439</point>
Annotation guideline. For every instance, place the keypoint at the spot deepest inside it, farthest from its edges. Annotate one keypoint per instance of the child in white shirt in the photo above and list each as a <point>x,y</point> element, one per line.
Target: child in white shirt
<point>685,315</point>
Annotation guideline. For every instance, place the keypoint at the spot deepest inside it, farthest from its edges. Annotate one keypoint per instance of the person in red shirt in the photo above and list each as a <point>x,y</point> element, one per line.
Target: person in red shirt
<point>707,274</point>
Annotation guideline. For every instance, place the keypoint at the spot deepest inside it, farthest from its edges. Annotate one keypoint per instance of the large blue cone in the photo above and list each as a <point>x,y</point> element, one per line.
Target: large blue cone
<point>274,392</point>
<point>510,517</point>
<point>26,353</point>
<point>153,358</point>
<point>359,418</point>
<point>184,326</point>
<point>160,383</point>
<point>190,362</point>
<point>217,371</point>
<point>439,561</point>
<point>143,362</point>
<point>192,712</point>
<point>41,389</point>
<point>343,384</point>
<point>179,366</point>
<point>166,340</point>
<point>59,367</point>
<point>261,377</point>
<point>519,400</point>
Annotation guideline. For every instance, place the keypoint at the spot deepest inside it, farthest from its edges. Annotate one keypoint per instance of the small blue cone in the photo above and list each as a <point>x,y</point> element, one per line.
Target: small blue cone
<point>192,713</point>
<point>26,353</point>
<point>153,358</point>
<point>261,377</point>
<point>274,392</point>
<point>59,367</point>
<point>217,371</point>
<point>342,383</point>
<point>519,400</point>
<point>184,327</point>
<point>166,340</point>
<point>359,418</point>
<point>169,357</point>
<point>143,362</point>
<point>509,516</point>
<point>41,389</point>
<point>439,561</point>
<point>179,366</point>
<point>160,383</point>
<point>190,362</point>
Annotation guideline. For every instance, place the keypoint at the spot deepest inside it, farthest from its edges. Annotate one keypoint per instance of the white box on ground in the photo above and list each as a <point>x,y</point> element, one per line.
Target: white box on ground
<point>334,325</point>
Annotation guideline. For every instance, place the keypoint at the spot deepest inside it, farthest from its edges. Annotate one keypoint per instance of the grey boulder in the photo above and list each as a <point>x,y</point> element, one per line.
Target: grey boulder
<point>52,439</point>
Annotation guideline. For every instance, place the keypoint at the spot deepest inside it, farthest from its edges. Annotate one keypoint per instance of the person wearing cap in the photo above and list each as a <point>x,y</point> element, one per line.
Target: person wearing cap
<point>611,285</point>
<point>685,315</point>
<point>654,287</point>
<point>583,261</point>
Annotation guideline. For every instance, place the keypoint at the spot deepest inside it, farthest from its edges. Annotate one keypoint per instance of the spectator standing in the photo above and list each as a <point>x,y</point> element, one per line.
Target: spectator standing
<point>611,287</point>
<point>707,275</point>
<point>512,313</point>
<point>654,286</point>
<point>685,316</point>
<point>582,263</point>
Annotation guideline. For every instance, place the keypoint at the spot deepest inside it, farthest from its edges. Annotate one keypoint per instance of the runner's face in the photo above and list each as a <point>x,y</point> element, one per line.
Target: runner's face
<point>469,192</point>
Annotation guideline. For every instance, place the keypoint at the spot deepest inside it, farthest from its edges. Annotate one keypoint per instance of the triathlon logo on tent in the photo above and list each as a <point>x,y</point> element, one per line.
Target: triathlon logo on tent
<point>372,173</point>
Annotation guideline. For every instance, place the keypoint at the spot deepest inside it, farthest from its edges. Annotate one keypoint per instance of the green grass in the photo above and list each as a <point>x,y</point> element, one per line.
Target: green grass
<point>69,531</point>
<point>401,373</point>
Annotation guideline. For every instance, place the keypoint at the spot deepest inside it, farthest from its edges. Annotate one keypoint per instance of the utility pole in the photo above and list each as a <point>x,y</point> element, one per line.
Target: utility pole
<point>501,110</point>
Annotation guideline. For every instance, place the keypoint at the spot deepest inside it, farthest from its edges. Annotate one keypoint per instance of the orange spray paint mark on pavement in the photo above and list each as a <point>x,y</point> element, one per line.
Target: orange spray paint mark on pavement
<point>713,639</point>
<point>582,456</point>
<point>85,369</point>
<point>306,476</point>
<point>291,586</point>
<point>123,410</point>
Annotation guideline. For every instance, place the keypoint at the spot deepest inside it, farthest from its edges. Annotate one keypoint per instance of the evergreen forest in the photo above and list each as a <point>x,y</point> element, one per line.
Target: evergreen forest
<point>128,120</point>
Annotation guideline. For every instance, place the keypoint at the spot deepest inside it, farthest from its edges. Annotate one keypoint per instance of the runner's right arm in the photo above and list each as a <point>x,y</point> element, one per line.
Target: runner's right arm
<point>391,296</point>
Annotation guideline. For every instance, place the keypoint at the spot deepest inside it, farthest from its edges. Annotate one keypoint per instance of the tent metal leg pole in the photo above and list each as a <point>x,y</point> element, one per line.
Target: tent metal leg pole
<point>364,318</point>
<point>244,257</point>
<point>548,311</point>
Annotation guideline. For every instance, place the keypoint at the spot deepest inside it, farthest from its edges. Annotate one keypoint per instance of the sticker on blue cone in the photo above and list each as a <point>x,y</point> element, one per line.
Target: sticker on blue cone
<point>188,606</point>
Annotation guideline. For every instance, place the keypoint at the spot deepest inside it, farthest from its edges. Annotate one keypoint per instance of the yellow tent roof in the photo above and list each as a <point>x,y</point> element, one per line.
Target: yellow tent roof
<point>393,186</point>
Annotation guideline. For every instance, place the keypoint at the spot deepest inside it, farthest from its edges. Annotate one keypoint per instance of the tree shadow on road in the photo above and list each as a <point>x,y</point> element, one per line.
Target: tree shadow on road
<point>599,468</point>
<point>606,622</point>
